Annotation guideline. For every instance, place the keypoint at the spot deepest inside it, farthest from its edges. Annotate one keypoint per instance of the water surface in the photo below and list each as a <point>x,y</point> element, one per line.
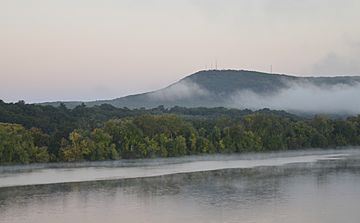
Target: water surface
<point>314,187</point>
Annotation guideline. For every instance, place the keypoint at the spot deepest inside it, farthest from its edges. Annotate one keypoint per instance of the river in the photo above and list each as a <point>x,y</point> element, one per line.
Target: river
<point>292,187</point>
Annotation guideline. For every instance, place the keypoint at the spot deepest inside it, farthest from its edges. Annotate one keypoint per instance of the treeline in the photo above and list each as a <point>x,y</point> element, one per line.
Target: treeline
<point>48,134</point>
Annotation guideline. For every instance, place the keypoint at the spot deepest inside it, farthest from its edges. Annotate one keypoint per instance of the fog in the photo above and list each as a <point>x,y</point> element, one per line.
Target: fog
<point>303,97</point>
<point>181,90</point>
<point>37,174</point>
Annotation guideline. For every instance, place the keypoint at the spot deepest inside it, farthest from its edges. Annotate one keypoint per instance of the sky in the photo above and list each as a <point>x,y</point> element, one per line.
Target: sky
<point>54,50</point>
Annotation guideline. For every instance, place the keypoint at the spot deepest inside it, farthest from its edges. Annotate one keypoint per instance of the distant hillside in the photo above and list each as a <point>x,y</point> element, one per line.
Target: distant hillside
<point>230,88</point>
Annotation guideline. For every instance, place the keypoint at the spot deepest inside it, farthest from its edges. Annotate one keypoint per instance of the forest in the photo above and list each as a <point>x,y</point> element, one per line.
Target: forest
<point>31,133</point>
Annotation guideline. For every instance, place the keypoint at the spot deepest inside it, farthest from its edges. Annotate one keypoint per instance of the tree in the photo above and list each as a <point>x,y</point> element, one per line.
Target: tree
<point>102,146</point>
<point>76,148</point>
<point>17,146</point>
<point>179,146</point>
<point>193,142</point>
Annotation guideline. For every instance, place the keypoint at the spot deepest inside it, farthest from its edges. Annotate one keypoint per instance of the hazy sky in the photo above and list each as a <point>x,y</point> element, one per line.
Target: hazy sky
<point>99,49</point>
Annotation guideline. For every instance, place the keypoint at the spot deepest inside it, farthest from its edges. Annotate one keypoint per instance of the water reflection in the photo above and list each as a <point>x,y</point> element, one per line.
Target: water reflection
<point>324,191</point>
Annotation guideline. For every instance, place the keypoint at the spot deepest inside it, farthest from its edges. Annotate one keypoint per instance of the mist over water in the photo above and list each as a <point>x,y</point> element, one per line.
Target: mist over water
<point>324,190</point>
<point>303,97</point>
<point>48,174</point>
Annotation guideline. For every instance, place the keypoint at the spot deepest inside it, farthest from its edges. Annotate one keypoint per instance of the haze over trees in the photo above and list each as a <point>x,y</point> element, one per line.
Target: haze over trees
<point>249,89</point>
<point>33,133</point>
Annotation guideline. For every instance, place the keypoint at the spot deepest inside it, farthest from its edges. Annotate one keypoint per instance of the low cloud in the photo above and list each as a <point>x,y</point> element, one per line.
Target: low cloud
<point>181,90</point>
<point>303,97</point>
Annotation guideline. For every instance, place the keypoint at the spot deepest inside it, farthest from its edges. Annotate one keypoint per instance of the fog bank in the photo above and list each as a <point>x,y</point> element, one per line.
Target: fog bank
<point>181,90</point>
<point>303,97</point>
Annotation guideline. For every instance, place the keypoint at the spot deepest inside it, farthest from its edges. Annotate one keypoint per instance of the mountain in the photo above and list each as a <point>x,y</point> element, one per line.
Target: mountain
<point>234,88</point>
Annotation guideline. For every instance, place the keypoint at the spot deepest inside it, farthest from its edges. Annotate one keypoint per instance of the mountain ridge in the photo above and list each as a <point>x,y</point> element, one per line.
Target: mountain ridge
<point>214,88</point>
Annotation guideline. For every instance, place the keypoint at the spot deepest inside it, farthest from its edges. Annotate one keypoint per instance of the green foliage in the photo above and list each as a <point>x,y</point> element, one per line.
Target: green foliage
<point>84,146</point>
<point>179,147</point>
<point>39,155</point>
<point>107,133</point>
<point>17,146</point>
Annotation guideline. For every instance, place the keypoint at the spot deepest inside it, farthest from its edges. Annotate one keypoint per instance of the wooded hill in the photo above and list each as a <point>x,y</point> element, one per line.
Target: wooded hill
<point>216,88</point>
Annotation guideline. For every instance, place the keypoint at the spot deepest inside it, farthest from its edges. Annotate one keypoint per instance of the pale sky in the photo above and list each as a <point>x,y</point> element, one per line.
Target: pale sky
<point>101,49</point>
